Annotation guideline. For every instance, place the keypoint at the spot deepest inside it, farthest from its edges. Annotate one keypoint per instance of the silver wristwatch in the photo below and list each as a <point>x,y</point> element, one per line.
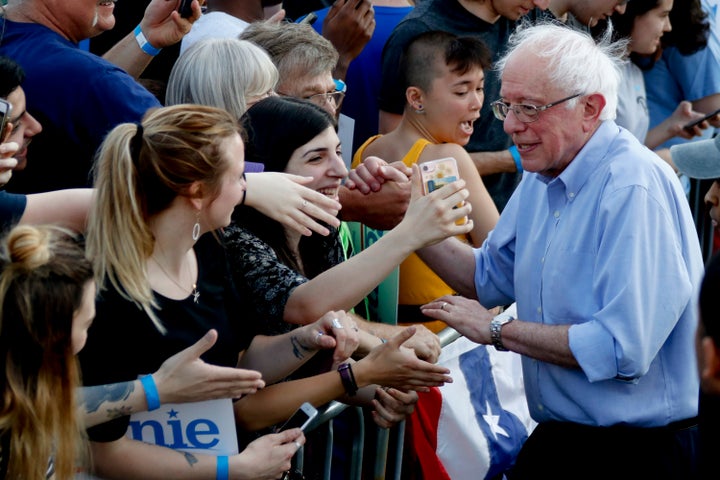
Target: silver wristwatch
<point>495,328</point>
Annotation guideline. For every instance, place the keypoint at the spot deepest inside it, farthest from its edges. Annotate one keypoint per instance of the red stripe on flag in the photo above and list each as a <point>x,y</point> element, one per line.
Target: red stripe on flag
<point>422,430</point>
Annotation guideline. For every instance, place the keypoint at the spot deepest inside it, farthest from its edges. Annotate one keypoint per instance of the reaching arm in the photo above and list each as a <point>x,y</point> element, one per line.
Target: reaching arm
<point>162,26</point>
<point>349,25</point>
<point>389,364</point>
<point>454,262</point>
<point>429,219</point>
<point>547,343</point>
<point>67,207</point>
<point>265,458</point>
<point>279,355</point>
<point>488,163</point>
<point>184,377</point>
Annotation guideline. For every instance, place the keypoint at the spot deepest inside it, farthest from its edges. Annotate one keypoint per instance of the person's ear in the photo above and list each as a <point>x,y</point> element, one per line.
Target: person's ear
<point>710,370</point>
<point>414,97</point>
<point>593,107</point>
<point>195,193</point>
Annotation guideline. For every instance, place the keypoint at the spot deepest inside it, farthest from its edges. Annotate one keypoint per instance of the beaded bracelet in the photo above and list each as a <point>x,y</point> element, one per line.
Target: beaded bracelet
<point>348,378</point>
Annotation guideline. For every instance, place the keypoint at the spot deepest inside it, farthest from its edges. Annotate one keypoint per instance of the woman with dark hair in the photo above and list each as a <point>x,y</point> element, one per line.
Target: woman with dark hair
<point>685,69</point>
<point>643,25</point>
<point>286,278</point>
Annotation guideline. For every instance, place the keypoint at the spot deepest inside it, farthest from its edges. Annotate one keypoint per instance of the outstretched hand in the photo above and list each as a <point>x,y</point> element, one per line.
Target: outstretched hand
<point>285,198</point>
<point>185,377</point>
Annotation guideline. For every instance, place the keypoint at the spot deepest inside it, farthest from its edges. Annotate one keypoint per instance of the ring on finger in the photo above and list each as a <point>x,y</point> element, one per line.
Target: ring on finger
<point>305,203</point>
<point>442,307</point>
<point>336,323</point>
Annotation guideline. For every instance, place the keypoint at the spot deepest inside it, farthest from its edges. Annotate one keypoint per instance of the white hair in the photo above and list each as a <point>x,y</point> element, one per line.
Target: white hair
<point>576,63</point>
<point>223,73</point>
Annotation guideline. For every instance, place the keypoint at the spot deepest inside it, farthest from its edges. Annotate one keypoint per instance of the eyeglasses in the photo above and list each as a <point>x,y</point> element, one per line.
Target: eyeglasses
<point>524,113</point>
<point>331,98</point>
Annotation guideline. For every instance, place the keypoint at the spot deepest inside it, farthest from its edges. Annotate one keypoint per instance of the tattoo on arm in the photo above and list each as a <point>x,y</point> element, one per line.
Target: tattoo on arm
<point>190,458</point>
<point>95,397</point>
<point>298,348</point>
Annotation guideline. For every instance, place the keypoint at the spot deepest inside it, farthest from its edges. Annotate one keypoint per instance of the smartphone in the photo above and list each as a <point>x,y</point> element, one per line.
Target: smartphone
<point>5,112</point>
<point>185,8</point>
<point>438,173</point>
<point>301,418</point>
<point>692,124</point>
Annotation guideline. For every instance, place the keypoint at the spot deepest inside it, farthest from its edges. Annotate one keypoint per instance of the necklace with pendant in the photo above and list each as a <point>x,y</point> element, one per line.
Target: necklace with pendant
<point>194,292</point>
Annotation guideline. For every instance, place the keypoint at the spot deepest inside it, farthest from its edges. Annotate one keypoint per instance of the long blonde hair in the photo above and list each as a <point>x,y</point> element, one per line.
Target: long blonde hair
<point>139,171</point>
<point>44,274</point>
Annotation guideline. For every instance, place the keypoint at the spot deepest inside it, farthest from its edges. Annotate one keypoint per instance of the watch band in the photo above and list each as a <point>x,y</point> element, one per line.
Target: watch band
<point>496,328</point>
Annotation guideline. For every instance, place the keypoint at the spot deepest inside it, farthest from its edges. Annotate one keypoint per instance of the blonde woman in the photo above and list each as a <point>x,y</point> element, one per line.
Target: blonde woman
<point>161,186</point>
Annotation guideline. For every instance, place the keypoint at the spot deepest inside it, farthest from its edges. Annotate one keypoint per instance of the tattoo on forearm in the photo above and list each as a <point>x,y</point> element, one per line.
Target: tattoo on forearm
<point>94,397</point>
<point>190,458</point>
<point>297,347</point>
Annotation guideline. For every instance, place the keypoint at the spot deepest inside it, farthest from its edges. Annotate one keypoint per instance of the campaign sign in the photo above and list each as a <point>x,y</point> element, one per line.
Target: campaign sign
<point>201,427</point>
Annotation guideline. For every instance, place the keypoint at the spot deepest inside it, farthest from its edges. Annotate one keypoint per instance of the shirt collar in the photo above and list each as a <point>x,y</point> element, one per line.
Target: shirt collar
<point>588,159</point>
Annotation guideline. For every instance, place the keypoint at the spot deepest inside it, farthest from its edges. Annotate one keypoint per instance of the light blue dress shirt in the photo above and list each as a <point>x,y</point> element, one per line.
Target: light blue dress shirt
<point>609,247</point>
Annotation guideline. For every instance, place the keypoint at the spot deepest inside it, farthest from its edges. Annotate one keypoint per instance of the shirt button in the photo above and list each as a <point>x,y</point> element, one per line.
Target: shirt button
<point>556,214</point>
<point>571,194</point>
<point>540,407</point>
<point>542,260</point>
<point>539,309</point>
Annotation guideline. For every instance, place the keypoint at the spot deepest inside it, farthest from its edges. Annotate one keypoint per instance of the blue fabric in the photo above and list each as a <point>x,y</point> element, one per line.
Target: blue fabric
<point>77,97</point>
<point>609,247</point>
<point>363,75</point>
<point>478,370</point>
<point>676,77</point>
<point>12,208</point>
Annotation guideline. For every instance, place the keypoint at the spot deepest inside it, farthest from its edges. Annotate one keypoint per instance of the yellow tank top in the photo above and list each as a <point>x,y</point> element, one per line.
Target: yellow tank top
<point>418,283</point>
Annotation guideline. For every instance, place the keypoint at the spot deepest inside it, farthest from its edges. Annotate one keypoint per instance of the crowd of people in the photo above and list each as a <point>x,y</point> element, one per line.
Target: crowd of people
<point>176,192</point>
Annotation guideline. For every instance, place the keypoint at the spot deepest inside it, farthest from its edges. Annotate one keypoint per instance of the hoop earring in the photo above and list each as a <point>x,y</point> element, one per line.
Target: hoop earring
<point>196,229</point>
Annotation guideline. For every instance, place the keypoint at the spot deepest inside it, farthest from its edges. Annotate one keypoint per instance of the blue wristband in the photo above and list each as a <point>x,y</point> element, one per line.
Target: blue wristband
<point>223,468</point>
<point>516,158</point>
<point>144,45</point>
<point>152,397</point>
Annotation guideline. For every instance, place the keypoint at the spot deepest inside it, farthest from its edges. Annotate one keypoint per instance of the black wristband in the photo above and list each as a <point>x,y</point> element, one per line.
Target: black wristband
<point>348,378</point>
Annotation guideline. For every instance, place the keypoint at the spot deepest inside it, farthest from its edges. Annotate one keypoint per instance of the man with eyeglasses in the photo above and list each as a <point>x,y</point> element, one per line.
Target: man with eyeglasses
<point>305,61</point>
<point>598,249</point>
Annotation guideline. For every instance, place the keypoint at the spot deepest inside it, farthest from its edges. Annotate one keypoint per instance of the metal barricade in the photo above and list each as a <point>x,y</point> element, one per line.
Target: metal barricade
<point>386,440</point>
